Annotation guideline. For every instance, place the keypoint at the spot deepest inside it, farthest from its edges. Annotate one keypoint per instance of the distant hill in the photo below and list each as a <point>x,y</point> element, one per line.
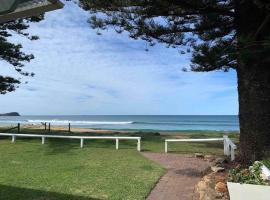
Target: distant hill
<point>10,114</point>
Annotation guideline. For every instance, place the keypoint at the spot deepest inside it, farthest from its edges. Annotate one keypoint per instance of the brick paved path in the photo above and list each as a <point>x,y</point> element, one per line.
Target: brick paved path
<point>183,173</point>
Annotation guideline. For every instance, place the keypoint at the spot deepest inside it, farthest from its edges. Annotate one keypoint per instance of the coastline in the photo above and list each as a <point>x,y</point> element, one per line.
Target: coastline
<point>77,130</point>
<point>132,123</point>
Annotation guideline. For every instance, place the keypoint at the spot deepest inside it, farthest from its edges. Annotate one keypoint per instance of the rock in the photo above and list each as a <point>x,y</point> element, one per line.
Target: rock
<point>206,192</point>
<point>220,161</point>
<point>199,155</point>
<point>209,158</point>
<point>210,195</point>
<point>209,189</point>
<point>217,169</point>
<point>10,114</point>
<point>202,186</point>
<point>218,165</point>
<point>219,195</point>
<point>221,187</point>
<point>220,179</point>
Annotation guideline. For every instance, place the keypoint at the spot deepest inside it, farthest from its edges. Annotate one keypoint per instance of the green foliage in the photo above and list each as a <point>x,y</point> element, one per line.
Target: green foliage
<point>7,84</point>
<point>208,28</point>
<point>251,175</point>
<point>12,53</point>
<point>267,163</point>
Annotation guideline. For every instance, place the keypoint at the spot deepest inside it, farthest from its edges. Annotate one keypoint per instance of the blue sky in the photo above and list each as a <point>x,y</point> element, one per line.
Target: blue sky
<point>79,72</point>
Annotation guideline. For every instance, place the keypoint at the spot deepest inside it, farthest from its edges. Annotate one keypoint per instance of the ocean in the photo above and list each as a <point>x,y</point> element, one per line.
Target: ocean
<point>135,122</point>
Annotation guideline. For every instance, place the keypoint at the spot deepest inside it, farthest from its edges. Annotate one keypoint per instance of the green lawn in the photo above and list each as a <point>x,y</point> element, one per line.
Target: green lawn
<point>60,170</point>
<point>154,142</point>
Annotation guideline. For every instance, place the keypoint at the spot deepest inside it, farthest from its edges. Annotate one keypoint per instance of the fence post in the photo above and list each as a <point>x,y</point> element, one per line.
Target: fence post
<point>232,154</point>
<point>19,127</point>
<point>166,146</point>
<point>81,142</point>
<point>49,127</point>
<point>117,143</point>
<point>13,138</point>
<point>139,145</point>
<point>68,127</point>
<point>45,126</point>
<point>226,145</point>
<point>43,140</point>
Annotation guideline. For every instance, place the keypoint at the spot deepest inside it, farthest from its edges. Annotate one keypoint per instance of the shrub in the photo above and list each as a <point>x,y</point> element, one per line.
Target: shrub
<point>251,175</point>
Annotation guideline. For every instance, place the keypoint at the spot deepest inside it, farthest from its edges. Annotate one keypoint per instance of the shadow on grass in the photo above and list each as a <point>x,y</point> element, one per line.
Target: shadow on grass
<point>214,144</point>
<point>217,145</point>
<point>17,193</point>
<point>56,146</point>
<point>215,148</point>
<point>52,146</point>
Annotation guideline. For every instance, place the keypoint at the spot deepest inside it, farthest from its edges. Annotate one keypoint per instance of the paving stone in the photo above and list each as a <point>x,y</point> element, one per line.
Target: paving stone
<point>183,173</point>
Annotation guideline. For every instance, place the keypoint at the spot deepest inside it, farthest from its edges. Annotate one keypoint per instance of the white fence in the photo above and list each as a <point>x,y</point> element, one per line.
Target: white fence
<point>229,146</point>
<point>81,138</point>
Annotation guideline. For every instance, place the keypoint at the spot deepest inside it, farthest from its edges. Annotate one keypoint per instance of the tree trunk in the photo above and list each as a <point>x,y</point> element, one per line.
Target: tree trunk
<point>253,73</point>
<point>254,111</point>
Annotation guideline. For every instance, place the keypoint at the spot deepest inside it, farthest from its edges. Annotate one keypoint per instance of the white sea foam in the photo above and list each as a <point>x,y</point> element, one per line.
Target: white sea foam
<point>63,122</point>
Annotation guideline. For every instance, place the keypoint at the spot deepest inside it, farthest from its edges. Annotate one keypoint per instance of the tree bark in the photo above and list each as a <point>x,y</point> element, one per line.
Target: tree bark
<point>253,73</point>
<point>254,111</point>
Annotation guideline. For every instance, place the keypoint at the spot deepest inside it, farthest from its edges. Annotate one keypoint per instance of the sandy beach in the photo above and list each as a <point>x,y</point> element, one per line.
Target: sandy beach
<point>77,130</point>
<point>74,129</point>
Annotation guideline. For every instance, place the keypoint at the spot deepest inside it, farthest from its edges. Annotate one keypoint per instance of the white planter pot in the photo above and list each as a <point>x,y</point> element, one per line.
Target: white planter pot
<point>239,191</point>
<point>265,173</point>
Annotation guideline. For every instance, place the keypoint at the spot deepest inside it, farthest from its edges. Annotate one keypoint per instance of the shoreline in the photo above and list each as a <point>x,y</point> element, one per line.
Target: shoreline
<point>123,131</point>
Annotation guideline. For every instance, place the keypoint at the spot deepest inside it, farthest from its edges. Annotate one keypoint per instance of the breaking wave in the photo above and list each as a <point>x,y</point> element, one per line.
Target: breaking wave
<point>63,122</point>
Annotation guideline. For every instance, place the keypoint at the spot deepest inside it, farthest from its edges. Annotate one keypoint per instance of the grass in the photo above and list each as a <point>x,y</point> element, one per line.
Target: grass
<point>154,142</point>
<point>60,170</point>
<point>63,171</point>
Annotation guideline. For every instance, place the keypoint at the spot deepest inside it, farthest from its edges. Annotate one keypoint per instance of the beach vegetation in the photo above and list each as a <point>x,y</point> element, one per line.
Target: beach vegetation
<point>248,175</point>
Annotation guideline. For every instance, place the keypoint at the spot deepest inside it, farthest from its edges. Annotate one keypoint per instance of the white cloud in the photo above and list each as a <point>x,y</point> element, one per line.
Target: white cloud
<point>78,72</point>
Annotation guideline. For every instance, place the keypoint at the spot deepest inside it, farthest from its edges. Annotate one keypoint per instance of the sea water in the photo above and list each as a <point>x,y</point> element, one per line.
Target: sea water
<point>135,122</point>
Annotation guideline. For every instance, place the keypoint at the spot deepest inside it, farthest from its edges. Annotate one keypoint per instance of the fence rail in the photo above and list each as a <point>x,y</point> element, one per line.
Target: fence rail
<point>18,127</point>
<point>229,146</point>
<point>47,126</point>
<point>81,138</point>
